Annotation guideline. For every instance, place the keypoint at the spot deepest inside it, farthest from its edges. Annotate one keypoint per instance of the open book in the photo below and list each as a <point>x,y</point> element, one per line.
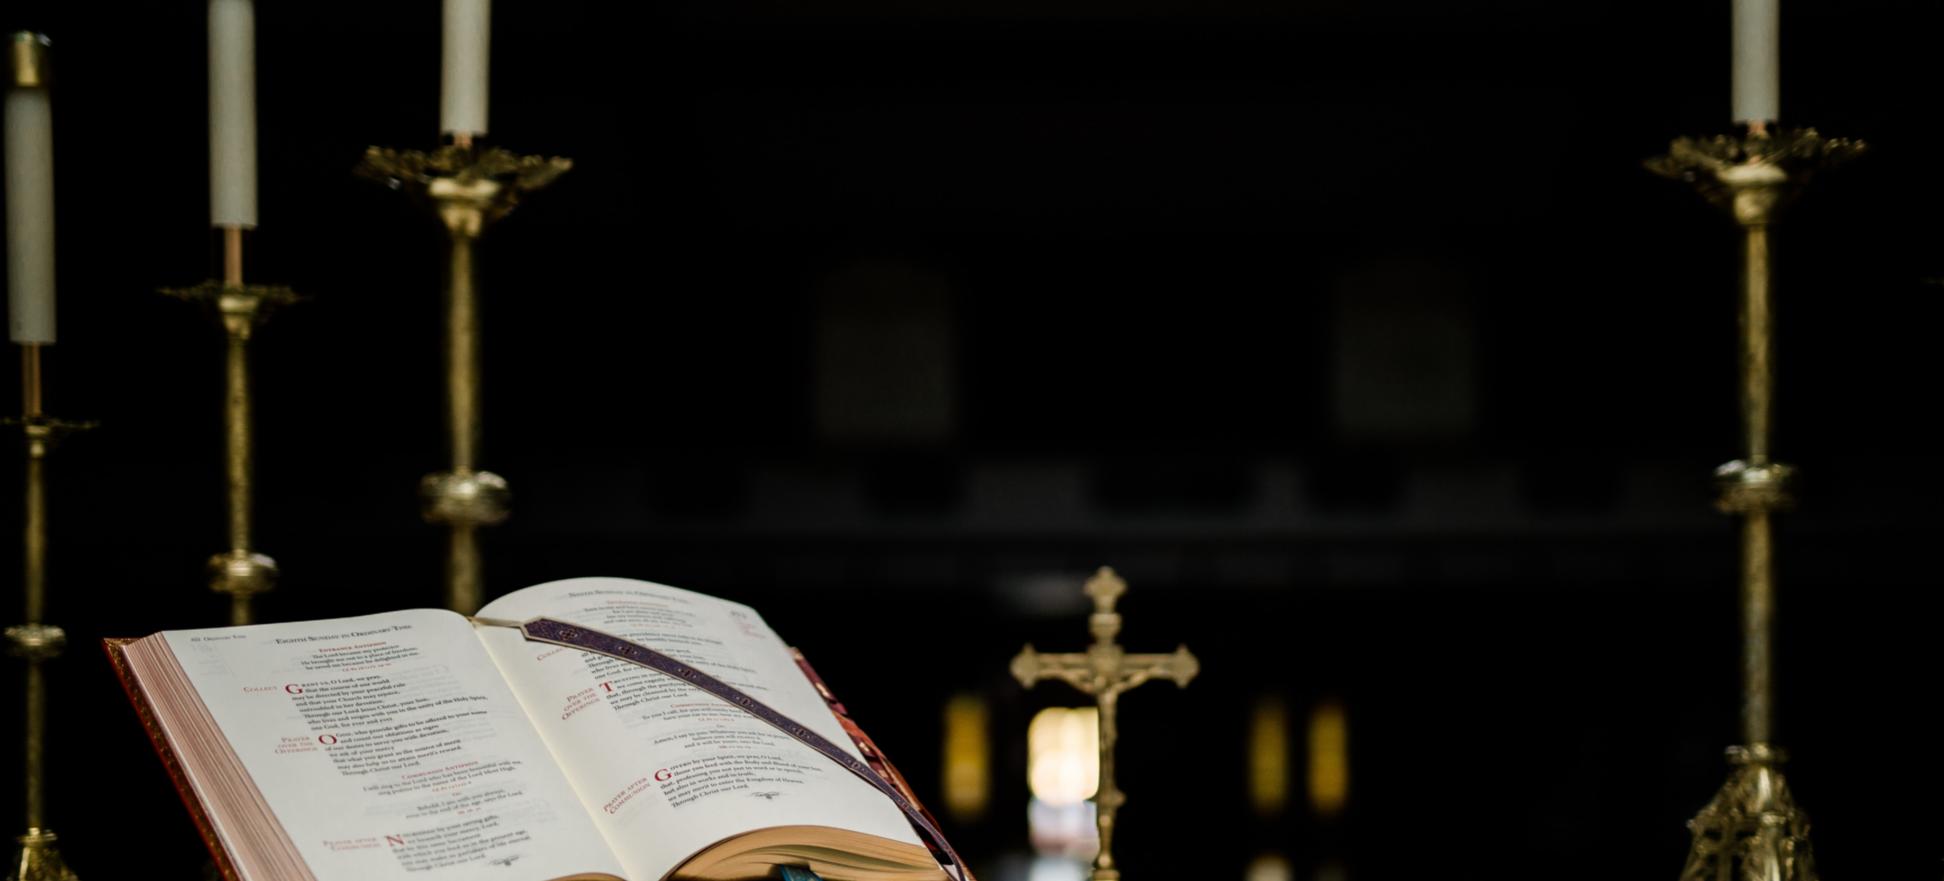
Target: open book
<point>417,746</point>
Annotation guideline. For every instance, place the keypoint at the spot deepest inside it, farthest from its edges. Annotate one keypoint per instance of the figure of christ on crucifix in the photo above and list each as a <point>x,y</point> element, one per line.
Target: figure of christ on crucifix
<point>1104,671</point>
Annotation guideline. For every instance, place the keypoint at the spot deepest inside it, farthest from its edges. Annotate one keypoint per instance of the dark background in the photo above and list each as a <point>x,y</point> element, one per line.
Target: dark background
<point>1353,334</point>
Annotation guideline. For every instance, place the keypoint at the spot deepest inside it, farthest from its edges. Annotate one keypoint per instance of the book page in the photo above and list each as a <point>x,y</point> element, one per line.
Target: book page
<point>390,749</point>
<point>668,769</point>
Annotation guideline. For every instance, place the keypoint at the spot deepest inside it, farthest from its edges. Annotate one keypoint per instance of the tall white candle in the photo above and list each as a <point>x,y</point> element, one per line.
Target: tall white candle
<point>30,194</point>
<point>1758,60</point>
<point>232,113</point>
<point>468,37</point>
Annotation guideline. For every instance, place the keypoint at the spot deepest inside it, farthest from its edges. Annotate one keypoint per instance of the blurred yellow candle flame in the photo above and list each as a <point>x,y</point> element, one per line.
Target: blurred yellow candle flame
<point>968,757</point>
<point>1329,759</point>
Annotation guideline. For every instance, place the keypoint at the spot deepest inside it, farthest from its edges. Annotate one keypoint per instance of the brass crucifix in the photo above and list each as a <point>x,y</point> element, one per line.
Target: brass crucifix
<point>1104,671</point>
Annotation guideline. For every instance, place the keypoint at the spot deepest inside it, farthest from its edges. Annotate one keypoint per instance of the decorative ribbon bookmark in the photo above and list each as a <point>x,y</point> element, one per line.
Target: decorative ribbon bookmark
<point>547,630</point>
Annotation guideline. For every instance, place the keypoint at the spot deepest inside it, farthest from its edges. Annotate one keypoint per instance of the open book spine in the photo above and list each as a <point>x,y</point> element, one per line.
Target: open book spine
<point>118,659</point>
<point>872,755</point>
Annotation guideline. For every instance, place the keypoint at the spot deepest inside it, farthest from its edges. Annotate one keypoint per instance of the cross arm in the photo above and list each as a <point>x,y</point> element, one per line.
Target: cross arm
<point>1030,667</point>
<point>1180,666</point>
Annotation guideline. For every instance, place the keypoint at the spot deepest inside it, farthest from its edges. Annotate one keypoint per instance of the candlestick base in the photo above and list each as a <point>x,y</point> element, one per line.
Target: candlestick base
<point>37,859</point>
<point>1752,828</point>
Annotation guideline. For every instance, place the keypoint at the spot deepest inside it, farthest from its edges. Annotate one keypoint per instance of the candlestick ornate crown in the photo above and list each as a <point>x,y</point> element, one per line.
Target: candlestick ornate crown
<point>242,307</point>
<point>468,187</point>
<point>1753,828</point>
<point>44,433</point>
<point>1751,174</point>
<point>481,184</point>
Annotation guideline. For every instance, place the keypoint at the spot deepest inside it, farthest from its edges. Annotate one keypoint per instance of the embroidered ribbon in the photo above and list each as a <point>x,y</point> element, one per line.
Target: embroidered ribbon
<point>553,632</point>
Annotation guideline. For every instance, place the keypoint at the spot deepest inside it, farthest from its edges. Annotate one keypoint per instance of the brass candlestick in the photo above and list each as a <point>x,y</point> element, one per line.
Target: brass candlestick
<point>240,572</point>
<point>1104,671</point>
<point>1752,828</point>
<point>36,642</point>
<point>468,187</point>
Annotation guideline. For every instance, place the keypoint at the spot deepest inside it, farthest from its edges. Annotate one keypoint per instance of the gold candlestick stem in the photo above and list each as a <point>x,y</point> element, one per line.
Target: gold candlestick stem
<point>462,348</point>
<point>468,188</point>
<point>240,572</point>
<point>36,642</point>
<point>463,498</point>
<point>1103,672</point>
<point>257,570</point>
<point>1754,211</point>
<point>34,560</point>
<point>1758,628</point>
<point>1752,828</point>
<point>465,580</point>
